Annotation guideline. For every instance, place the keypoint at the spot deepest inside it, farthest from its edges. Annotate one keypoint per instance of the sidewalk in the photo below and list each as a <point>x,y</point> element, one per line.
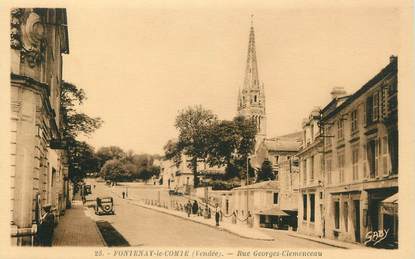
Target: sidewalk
<point>77,229</point>
<point>335,243</point>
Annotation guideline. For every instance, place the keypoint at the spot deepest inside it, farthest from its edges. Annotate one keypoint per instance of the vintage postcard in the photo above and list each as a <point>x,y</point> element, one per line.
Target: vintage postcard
<point>207,129</point>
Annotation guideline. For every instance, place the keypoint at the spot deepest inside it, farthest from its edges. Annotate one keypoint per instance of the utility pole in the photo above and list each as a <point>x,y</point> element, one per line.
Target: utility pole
<point>247,183</point>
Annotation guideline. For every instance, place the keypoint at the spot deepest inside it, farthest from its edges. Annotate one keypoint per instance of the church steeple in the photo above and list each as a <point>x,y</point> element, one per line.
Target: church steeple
<point>251,97</point>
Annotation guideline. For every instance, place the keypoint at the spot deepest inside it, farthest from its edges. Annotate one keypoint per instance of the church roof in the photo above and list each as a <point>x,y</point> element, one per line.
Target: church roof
<point>282,144</point>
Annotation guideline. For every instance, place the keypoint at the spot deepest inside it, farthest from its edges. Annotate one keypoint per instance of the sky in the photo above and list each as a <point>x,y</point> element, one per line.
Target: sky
<point>140,65</point>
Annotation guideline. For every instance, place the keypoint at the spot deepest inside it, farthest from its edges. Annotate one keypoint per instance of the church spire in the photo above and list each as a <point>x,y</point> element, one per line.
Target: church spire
<point>251,99</point>
<point>251,71</point>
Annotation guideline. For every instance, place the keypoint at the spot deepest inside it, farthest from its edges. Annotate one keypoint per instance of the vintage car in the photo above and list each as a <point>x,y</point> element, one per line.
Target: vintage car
<point>105,205</point>
<point>87,189</point>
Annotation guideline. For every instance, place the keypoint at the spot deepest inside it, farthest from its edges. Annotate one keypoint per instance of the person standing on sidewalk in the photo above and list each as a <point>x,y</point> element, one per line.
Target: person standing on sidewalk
<point>123,195</point>
<point>46,228</point>
<point>217,215</point>
<point>189,208</point>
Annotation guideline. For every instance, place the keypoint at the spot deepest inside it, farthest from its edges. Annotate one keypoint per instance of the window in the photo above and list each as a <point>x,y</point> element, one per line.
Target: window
<point>328,136</point>
<point>328,168</point>
<point>373,156</point>
<point>385,156</point>
<point>340,132</point>
<point>304,171</point>
<point>312,204</point>
<point>340,163</point>
<point>345,216</point>
<point>336,215</point>
<point>355,162</point>
<point>255,98</point>
<point>304,206</point>
<point>369,110</point>
<point>354,121</point>
<point>312,169</point>
<point>364,161</point>
<point>276,159</point>
<point>376,106</point>
<point>275,197</point>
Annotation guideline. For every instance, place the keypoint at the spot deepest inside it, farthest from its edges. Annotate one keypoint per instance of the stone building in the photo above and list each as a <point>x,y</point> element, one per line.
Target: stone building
<point>176,177</point>
<point>361,160</point>
<point>310,200</point>
<point>39,37</point>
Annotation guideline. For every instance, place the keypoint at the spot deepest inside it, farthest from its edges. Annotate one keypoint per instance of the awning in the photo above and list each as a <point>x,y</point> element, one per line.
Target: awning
<point>273,212</point>
<point>391,199</point>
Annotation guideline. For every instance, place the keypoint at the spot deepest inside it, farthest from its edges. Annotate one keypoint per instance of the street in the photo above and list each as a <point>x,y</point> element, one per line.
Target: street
<point>145,227</point>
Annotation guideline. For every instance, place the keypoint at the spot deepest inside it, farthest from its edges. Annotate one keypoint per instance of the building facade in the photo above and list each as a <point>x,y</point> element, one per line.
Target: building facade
<point>361,160</point>
<point>310,199</point>
<point>176,177</point>
<point>39,174</point>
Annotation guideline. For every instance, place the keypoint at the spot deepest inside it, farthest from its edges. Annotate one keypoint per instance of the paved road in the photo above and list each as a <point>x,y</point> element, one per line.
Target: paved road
<point>145,227</point>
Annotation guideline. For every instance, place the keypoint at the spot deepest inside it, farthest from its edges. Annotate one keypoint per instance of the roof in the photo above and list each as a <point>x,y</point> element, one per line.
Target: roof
<point>273,211</point>
<point>282,144</point>
<point>391,68</point>
<point>294,135</point>
<point>261,185</point>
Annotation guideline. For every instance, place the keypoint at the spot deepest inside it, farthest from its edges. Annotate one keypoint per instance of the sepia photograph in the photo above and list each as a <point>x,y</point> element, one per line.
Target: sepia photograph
<point>208,130</point>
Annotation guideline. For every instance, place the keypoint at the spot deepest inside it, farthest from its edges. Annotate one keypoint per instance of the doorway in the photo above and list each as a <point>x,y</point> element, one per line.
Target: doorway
<point>357,220</point>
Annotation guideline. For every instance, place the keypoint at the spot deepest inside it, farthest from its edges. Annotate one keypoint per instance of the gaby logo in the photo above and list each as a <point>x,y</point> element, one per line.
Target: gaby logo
<point>374,237</point>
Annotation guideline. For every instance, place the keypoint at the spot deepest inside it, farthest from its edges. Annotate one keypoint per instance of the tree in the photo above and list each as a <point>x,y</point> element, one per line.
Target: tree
<point>109,153</point>
<point>193,124</point>
<point>173,152</point>
<point>266,173</point>
<point>230,143</point>
<point>80,158</point>
<point>114,170</point>
<point>146,173</point>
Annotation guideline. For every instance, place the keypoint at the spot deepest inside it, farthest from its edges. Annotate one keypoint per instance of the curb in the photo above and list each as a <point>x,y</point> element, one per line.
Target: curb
<point>97,229</point>
<point>321,241</point>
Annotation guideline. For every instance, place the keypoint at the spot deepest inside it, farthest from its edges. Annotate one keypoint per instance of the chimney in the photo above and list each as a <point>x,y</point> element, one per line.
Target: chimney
<point>338,92</point>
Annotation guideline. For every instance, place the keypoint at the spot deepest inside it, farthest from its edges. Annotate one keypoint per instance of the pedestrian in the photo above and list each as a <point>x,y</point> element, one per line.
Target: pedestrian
<point>195,207</point>
<point>123,195</point>
<point>209,213</point>
<point>189,208</point>
<point>46,228</point>
<point>217,215</point>
<point>233,217</point>
<point>94,186</point>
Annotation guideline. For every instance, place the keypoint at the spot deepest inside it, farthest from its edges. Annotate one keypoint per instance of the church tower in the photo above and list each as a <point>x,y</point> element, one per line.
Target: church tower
<point>251,98</point>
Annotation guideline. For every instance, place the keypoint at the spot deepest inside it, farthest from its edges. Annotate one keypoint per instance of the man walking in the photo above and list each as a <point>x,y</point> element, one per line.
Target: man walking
<point>123,195</point>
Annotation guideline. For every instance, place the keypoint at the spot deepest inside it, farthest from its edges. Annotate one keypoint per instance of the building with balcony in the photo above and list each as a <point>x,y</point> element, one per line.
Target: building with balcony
<point>39,173</point>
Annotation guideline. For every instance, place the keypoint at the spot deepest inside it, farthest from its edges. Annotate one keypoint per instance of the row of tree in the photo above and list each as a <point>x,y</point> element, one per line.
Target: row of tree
<point>116,165</point>
<point>223,143</point>
<point>111,162</point>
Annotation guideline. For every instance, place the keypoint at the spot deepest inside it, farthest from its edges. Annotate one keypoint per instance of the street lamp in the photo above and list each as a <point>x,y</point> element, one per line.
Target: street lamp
<point>247,183</point>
